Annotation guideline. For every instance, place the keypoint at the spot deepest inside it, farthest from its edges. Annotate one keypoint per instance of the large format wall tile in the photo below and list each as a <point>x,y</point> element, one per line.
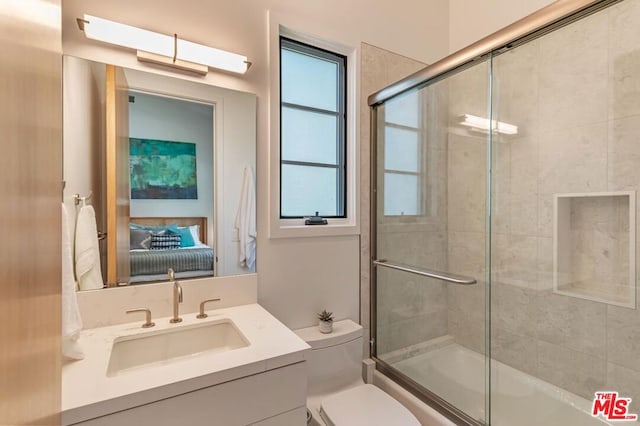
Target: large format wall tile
<point>466,314</point>
<point>573,323</point>
<point>514,349</point>
<point>575,371</point>
<point>545,214</point>
<point>417,248</point>
<point>468,92</point>
<point>545,263</point>
<point>573,159</point>
<point>513,260</point>
<point>466,181</point>
<point>624,60</point>
<point>468,331</point>
<point>573,75</point>
<point>623,153</point>
<point>466,253</point>
<point>626,382</point>
<point>405,333</point>
<point>523,213</point>
<point>512,309</point>
<point>523,163</point>
<point>516,78</point>
<point>623,337</point>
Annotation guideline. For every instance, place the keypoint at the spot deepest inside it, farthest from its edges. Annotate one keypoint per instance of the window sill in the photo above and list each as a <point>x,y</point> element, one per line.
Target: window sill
<point>295,228</point>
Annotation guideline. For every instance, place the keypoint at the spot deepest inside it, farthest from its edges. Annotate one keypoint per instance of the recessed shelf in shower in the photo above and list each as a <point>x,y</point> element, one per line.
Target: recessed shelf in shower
<point>594,237</point>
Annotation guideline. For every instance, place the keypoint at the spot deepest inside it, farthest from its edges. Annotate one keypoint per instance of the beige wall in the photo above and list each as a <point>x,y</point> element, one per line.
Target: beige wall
<point>470,21</point>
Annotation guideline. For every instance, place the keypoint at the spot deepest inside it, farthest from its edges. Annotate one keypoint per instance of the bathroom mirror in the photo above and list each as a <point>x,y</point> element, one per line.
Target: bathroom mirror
<point>161,160</point>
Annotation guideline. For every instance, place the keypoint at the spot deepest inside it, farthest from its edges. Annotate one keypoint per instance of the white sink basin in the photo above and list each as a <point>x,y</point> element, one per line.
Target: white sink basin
<point>162,346</point>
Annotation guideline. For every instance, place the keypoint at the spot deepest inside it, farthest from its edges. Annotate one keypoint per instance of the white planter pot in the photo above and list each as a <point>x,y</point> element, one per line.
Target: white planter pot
<point>325,326</point>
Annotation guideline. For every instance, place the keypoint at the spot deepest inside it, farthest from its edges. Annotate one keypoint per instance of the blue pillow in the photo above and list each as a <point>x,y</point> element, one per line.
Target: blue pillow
<point>186,239</point>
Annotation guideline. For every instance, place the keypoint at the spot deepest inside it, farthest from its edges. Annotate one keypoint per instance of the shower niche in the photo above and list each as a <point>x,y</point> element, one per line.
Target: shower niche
<point>594,237</point>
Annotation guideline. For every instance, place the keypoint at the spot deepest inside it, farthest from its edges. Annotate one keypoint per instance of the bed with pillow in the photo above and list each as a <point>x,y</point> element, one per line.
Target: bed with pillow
<point>160,243</point>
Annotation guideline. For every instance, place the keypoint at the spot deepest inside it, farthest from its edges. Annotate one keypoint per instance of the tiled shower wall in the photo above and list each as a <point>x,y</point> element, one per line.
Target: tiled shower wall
<point>413,309</point>
<point>575,96</point>
<point>380,68</point>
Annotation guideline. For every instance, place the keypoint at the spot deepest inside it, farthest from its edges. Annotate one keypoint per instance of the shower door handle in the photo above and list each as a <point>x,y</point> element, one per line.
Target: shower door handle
<point>442,276</point>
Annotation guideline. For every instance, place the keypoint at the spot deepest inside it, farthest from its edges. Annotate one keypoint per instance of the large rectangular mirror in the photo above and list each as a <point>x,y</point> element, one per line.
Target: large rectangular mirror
<point>166,166</point>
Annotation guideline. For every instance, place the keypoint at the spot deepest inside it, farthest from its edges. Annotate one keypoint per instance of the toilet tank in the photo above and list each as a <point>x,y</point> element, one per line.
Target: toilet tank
<point>335,362</point>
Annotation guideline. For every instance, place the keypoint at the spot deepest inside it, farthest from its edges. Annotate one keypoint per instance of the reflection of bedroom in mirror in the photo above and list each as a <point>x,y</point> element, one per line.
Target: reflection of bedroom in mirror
<point>158,164</point>
<point>171,175</point>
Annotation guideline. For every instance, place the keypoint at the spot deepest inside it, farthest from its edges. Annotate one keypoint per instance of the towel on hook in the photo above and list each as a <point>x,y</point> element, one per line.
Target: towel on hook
<point>88,269</point>
<point>246,221</point>
<point>71,321</point>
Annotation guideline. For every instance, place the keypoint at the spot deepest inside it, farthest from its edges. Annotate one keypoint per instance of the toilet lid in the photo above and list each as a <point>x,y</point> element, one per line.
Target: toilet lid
<point>365,405</point>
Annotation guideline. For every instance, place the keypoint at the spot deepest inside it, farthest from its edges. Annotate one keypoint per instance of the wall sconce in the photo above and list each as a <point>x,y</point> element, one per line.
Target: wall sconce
<point>484,124</point>
<point>161,48</point>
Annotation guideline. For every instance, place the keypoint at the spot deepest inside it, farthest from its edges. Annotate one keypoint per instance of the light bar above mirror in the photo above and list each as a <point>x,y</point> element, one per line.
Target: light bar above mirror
<point>162,48</point>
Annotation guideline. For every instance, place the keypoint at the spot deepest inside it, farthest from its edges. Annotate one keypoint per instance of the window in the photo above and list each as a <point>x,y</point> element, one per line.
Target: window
<point>403,156</point>
<point>312,131</point>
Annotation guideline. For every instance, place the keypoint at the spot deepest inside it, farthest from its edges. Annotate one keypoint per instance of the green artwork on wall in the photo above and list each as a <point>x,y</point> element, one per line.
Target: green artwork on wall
<point>162,169</point>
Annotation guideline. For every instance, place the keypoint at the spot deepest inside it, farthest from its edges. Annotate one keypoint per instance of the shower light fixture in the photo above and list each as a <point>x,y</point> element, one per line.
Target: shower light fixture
<point>161,48</point>
<point>485,124</point>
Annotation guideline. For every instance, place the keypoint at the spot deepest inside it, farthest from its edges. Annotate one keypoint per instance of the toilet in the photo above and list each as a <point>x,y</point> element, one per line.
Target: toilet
<point>337,395</point>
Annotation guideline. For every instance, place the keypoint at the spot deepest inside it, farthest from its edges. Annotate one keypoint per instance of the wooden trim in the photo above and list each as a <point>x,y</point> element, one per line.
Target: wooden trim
<point>111,200</point>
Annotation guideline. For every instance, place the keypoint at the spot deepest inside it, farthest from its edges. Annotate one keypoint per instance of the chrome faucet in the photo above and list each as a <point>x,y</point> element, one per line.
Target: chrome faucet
<point>177,297</point>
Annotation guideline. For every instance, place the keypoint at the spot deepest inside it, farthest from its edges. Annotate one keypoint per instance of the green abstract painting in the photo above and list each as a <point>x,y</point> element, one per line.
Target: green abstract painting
<point>162,169</point>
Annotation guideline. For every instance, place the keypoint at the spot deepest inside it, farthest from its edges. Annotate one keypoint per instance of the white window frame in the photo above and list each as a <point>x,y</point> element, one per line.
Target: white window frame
<point>289,228</point>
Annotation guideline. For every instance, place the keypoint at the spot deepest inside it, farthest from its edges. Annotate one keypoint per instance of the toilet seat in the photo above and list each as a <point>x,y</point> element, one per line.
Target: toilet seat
<point>365,405</point>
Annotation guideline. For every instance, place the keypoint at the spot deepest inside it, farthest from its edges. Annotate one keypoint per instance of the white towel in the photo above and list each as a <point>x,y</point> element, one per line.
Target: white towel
<point>71,321</point>
<point>246,221</point>
<point>87,252</point>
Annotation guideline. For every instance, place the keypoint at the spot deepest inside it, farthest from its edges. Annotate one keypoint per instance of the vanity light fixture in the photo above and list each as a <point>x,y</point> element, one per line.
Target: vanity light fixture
<point>161,48</point>
<point>484,124</point>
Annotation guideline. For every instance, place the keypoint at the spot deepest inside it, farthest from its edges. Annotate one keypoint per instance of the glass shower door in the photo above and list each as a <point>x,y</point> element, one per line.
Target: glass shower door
<point>431,241</point>
<point>564,314</point>
<point>505,240</point>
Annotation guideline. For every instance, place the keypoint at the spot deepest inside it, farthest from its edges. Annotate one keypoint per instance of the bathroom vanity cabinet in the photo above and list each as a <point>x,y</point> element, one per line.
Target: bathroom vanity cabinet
<point>262,399</point>
<point>263,383</point>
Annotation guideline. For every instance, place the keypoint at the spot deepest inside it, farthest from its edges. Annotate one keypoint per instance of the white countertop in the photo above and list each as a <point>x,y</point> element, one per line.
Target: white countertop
<point>87,392</point>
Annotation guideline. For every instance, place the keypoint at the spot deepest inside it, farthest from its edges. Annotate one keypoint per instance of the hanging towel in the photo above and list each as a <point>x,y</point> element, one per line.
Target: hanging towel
<point>246,221</point>
<point>87,252</point>
<point>71,321</point>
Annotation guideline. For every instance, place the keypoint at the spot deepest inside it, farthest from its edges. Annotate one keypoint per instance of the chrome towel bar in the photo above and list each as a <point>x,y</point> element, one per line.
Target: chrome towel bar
<point>442,276</point>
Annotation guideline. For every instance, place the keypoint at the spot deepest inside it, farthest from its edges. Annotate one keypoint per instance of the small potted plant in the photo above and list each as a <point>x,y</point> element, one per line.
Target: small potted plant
<point>325,322</point>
